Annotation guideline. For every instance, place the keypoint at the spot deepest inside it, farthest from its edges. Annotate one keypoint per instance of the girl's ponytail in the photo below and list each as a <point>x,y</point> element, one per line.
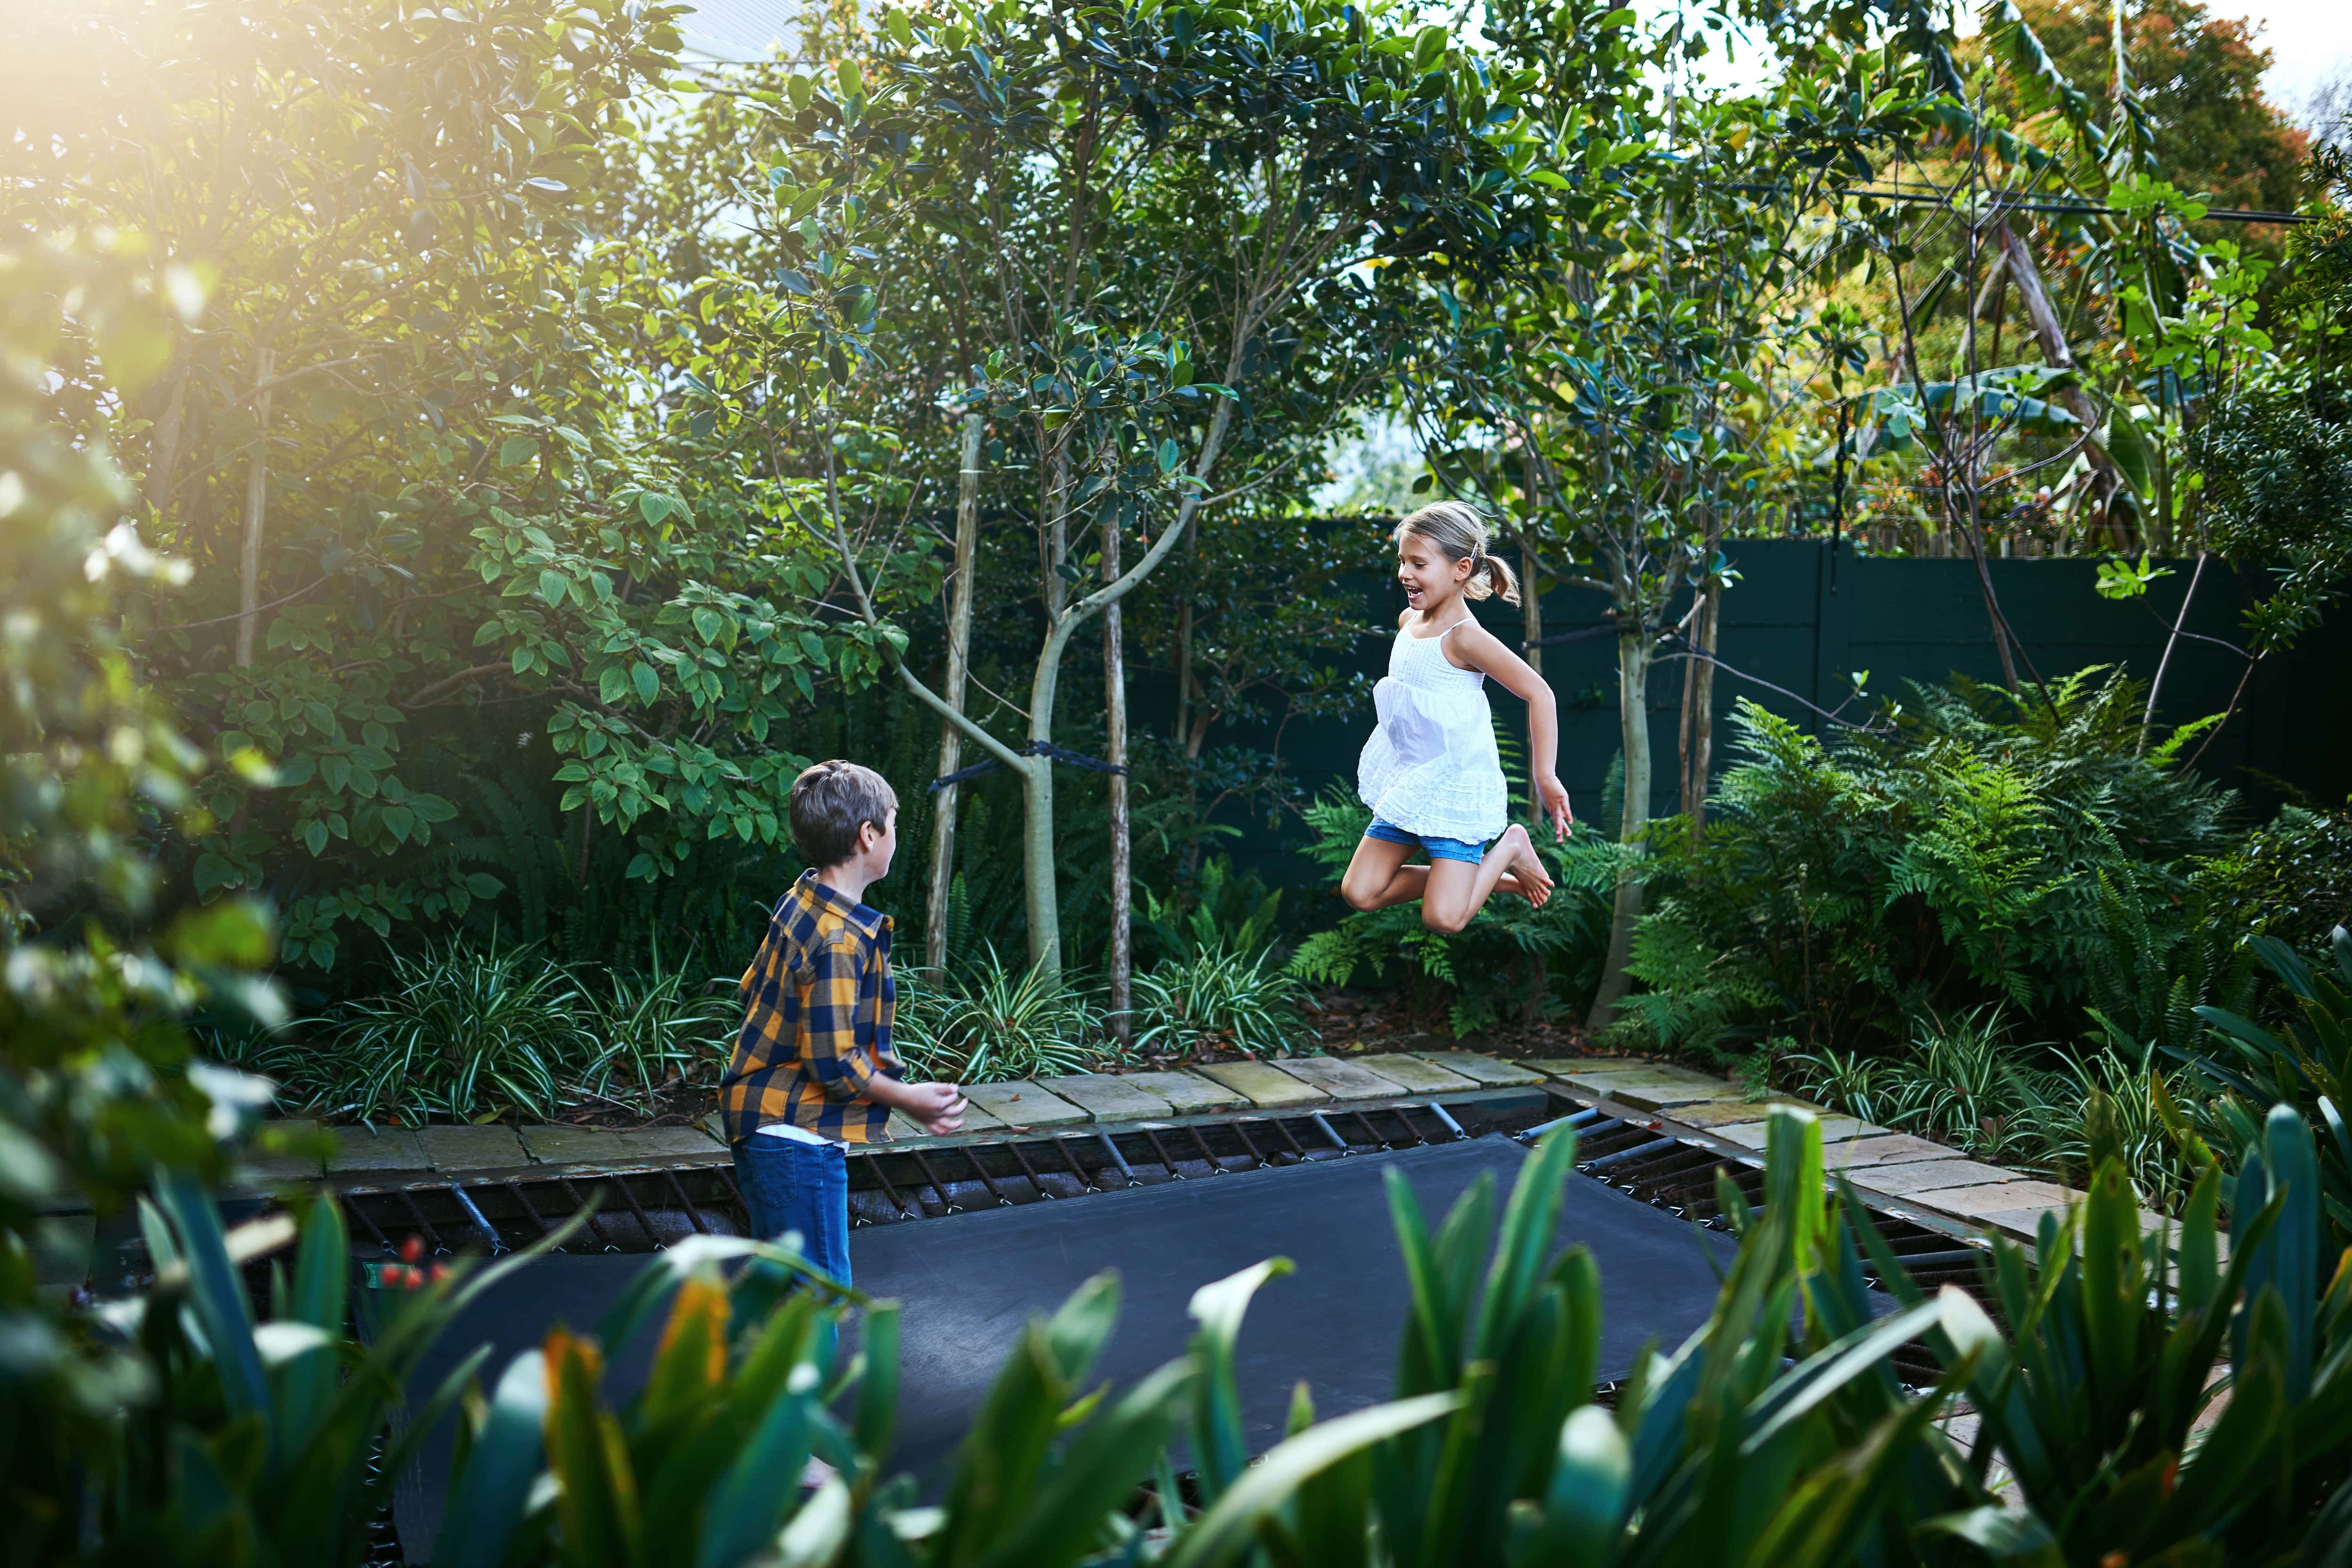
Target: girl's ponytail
<point>1459,532</point>
<point>1500,578</point>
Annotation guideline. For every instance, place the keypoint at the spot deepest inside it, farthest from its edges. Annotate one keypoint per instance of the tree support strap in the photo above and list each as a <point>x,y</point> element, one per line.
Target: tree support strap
<point>1033,749</point>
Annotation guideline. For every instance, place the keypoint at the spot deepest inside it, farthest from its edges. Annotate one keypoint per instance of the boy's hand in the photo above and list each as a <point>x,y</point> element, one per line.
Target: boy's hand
<point>1553,794</point>
<point>938,1106</point>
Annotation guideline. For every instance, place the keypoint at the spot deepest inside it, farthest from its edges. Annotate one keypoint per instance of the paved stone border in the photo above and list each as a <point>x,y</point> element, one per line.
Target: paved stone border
<point>1892,1170</point>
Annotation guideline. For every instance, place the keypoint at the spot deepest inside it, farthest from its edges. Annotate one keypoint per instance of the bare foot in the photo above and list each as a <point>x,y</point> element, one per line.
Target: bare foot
<point>1527,866</point>
<point>1510,883</point>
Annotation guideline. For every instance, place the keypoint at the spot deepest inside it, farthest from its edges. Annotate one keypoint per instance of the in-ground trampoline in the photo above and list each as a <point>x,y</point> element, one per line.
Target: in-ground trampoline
<point>969,1278</point>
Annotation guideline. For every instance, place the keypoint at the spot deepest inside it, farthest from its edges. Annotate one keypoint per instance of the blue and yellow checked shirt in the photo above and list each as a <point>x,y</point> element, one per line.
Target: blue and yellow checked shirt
<point>818,1002</point>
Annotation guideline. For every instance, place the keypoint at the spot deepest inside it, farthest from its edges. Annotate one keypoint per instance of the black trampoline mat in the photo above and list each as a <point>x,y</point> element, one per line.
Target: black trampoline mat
<point>969,1282</point>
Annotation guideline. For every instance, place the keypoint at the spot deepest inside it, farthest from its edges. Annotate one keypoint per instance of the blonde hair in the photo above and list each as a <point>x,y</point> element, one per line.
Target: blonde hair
<point>1459,533</point>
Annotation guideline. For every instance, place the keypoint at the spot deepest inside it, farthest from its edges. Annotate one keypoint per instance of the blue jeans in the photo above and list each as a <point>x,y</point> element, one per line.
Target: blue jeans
<point>1438,848</point>
<point>790,1185</point>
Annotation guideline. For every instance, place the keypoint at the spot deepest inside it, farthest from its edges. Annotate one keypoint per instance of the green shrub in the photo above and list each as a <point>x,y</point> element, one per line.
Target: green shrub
<point>463,1031</point>
<point>996,1022</point>
<point>1968,855</point>
<point>654,1027</point>
<point>1219,1000</point>
<point>1962,1083</point>
<point>1235,913</point>
<point>2306,1062</point>
<point>1512,961</point>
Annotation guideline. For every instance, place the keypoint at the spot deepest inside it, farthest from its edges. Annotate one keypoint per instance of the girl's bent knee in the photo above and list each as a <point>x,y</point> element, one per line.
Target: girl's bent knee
<point>1357,897</point>
<point>1445,922</point>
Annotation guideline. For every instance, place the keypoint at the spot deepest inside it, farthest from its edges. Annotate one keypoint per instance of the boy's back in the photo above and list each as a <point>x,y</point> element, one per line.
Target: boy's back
<point>813,1069</point>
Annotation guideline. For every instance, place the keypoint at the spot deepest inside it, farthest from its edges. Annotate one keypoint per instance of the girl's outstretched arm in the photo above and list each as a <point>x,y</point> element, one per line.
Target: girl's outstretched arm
<point>1476,647</point>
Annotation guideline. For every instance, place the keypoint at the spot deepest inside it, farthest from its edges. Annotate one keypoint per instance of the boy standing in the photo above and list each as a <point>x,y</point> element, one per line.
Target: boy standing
<point>813,1069</point>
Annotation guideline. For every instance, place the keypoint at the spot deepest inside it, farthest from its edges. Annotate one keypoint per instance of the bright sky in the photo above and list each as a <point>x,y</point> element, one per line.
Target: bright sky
<point>2309,40</point>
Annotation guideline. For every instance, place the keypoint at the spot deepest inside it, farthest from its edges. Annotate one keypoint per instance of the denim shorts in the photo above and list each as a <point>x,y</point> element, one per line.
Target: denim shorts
<point>1439,849</point>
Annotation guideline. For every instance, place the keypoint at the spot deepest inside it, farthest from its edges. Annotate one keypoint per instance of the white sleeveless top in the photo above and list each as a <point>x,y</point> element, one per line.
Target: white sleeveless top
<point>1431,767</point>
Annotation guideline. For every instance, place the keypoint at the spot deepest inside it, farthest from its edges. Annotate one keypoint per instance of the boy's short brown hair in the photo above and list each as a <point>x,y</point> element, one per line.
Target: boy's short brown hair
<point>830,802</point>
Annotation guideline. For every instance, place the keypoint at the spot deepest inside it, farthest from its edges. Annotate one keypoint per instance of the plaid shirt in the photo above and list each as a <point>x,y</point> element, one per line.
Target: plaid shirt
<point>818,1002</point>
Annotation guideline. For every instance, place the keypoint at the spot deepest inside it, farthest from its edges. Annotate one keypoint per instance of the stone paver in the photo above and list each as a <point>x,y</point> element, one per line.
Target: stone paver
<point>258,1170</point>
<point>1834,1129</point>
<point>1485,1070</point>
<point>1984,1200</point>
<point>1926,1175</point>
<point>1341,1079</point>
<point>1671,1095</point>
<point>559,1145</point>
<point>667,1142</point>
<point>1187,1093</point>
<point>1413,1075</point>
<point>1022,1103</point>
<point>1856,1155</point>
<point>393,1149</point>
<point>1717,1114</point>
<point>489,1148</point>
<point>1107,1096</point>
<point>1263,1086</point>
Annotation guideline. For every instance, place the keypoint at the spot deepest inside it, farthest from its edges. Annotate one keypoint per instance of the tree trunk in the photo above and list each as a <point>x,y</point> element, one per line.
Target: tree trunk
<point>163,449</point>
<point>1184,663</point>
<point>1698,707</point>
<point>2051,334</point>
<point>1634,652</point>
<point>1531,614</point>
<point>1044,902</point>
<point>2147,719</point>
<point>256,507</point>
<point>959,585</point>
<point>1122,956</point>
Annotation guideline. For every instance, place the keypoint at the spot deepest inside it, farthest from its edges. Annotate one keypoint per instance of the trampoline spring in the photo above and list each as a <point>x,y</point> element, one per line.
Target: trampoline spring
<point>408,1200</point>
<point>972,1158</point>
<point>693,1210</point>
<point>1086,1182</point>
<point>1241,1131</point>
<point>1117,1158</point>
<point>938,1188</point>
<point>1282,1125</point>
<point>1580,1119</point>
<point>529,1207</point>
<point>1330,1132</point>
<point>1371,1133</point>
<point>1216,1169</point>
<point>1451,1125</point>
<point>596,1220</point>
<point>897,1203</point>
<point>1030,1171</point>
<point>1621,1155</point>
<point>375,1230</point>
<point>644,1223</point>
<point>727,1174</point>
<point>1405,1116</point>
<point>1162,1150</point>
<point>490,1232</point>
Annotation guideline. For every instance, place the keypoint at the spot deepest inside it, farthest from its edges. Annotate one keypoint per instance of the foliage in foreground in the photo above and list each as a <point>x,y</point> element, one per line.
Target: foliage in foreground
<point>1777,1433</point>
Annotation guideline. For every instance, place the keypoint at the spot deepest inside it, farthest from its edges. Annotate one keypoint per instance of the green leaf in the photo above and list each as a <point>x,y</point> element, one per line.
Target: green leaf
<point>552,585</point>
<point>314,834</point>
<point>613,685</point>
<point>1229,1525</point>
<point>654,508</point>
<point>647,683</point>
<point>516,450</point>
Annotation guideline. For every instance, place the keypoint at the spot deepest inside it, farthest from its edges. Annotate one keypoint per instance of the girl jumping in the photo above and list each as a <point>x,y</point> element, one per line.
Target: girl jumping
<point>1430,772</point>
